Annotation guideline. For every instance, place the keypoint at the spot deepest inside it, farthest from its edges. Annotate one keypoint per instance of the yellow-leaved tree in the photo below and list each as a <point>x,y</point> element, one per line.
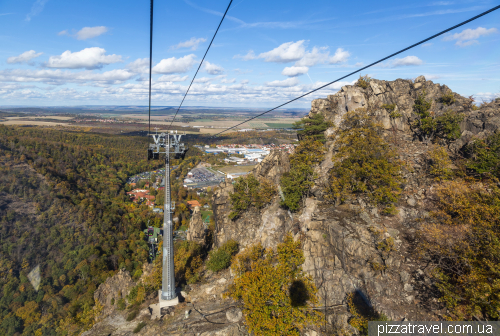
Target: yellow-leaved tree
<point>276,293</point>
<point>463,240</point>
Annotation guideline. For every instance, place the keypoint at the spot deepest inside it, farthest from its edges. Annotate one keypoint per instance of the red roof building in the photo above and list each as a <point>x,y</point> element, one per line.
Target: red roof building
<point>192,204</point>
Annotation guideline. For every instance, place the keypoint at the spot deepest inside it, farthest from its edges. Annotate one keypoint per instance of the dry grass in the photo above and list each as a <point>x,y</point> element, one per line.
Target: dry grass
<point>236,169</point>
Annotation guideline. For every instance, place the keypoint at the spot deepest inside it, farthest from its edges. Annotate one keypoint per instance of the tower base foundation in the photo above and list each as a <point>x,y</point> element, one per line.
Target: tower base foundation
<point>156,314</point>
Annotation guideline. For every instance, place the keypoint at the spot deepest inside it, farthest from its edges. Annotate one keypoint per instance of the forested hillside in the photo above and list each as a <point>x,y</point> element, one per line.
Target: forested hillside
<point>63,207</point>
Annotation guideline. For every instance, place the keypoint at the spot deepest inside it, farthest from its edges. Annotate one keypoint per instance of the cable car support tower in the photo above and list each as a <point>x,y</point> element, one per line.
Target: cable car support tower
<point>167,143</point>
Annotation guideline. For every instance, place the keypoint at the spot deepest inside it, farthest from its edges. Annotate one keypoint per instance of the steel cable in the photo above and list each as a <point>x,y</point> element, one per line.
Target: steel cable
<point>352,73</point>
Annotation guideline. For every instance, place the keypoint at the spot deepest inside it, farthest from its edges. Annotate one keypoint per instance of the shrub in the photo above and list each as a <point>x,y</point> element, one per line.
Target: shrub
<point>132,315</point>
<point>364,163</point>
<point>121,304</point>
<point>424,124</point>
<point>427,126</point>
<point>274,289</point>
<point>447,98</point>
<point>469,103</point>
<point>221,258</point>
<point>363,81</point>
<point>248,192</point>
<point>391,108</point>
<point>139,327</point>
<point>484,156</point>
<point>297,183</point>
<point>448,125</point>
<point>463,239</point>
<point>440,163</point>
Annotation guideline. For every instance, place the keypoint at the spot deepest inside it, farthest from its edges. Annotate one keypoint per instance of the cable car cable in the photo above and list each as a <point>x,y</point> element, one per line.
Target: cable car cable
<point>352,73</point>
<point>150,62</point>
<point>230,2</point>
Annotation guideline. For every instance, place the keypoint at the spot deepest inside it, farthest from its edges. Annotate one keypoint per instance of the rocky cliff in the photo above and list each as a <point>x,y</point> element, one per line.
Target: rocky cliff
<point>196,230</point>
<point>340,242</point>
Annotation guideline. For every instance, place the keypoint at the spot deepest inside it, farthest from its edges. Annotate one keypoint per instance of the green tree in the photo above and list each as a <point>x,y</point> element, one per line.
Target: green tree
<point>484,156</point>
<point>427,126</point>
<point>298,181</point>
<point>312,127</point>
<point>364,163</point>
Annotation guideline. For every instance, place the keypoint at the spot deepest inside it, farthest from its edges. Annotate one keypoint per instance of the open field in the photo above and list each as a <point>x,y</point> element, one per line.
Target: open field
<point>256,123</point>
<point>34,123</point>
<point>40,117</point>
<point>236,169</point>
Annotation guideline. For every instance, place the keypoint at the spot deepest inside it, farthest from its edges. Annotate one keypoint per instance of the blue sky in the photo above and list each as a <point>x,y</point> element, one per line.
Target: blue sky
<point>92,52</point>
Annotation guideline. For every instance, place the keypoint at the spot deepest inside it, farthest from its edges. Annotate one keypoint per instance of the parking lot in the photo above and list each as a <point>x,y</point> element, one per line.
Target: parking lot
<point>148,175</point>
<point>201,175</point>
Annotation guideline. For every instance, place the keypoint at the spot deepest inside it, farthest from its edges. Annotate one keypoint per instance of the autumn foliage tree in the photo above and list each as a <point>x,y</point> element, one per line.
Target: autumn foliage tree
<point>250,192</point>
<point>463,240</point>
<point>276,293</point>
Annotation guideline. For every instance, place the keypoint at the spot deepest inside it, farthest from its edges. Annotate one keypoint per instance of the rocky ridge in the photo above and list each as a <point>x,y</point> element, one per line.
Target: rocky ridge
<point>338,242</point>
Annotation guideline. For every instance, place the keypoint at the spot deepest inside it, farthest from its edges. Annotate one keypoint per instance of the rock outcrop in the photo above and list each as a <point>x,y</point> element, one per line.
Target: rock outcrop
<point>402,93</point>
<point>340,242</point>
<point>113,289</point>
<point>196,231</point>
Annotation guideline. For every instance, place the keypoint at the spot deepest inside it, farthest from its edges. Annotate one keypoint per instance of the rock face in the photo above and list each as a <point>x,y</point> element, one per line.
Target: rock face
<point>196,231</point>
<point>113,289</point>
<point>402,93</point>
<point>268,226</point>
<point>340,242</point>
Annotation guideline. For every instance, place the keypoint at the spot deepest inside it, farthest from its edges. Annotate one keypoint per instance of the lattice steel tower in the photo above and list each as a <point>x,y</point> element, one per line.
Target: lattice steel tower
<point>167,143</point>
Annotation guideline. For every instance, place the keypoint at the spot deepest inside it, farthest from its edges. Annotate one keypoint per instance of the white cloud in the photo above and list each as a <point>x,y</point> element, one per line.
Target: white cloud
<point>406,61</point>
<point>340,56</point>
<point>486,96</point>
<point>90,32</point>
<point>59,77</point>
<point>36,9</point>
<point>140,65</point>
<point>175,65</point>
<point>431,77</point>
<point>313,57</point>
<point>245,81</point>
<point>213,69</point>
<point>284,83</point>
<point>427,45</point>
<point>228,81</point>
<point>25,57</point>
<point>172,78</point>
<point>202,80</point>
<point>88,58</point>
<point>294,71</point>
<point>249,56</point>
<point>287,52</point>
<point>64,32</point>
<point>296,51</point>
<point>191,43</point>
<point>470,36</point>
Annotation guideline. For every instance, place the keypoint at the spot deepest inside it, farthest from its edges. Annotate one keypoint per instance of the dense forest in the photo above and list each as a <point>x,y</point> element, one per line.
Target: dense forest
<point>63,207</point>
